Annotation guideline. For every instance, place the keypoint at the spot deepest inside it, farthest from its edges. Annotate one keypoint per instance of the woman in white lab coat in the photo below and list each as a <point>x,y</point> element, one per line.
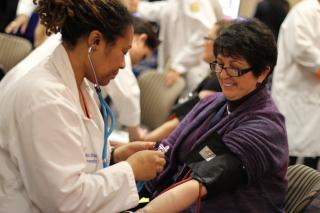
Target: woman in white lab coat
<point>53,141</point>
<point>296,79</point>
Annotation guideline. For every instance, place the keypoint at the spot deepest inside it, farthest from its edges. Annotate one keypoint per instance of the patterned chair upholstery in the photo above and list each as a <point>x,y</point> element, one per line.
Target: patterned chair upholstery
<point>156,98</point>
<point>303,187</point>
<point>12,50</point>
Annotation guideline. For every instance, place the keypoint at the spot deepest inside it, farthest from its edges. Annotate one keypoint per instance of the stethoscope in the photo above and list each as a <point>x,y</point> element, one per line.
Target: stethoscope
<point>106,112</point>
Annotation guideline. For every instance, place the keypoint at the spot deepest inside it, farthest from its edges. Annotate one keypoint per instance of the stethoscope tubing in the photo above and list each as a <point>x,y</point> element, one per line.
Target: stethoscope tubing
<point>106,111</point>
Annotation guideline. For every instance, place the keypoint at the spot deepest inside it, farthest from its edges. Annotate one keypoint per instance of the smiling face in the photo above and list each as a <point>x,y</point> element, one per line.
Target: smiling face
<point>235,88</point>
<point>108,58</point>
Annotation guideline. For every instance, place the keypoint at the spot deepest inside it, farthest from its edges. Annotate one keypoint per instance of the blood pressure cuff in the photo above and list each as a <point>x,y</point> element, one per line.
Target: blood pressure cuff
<point>213,164</point>
<point>182,109</point>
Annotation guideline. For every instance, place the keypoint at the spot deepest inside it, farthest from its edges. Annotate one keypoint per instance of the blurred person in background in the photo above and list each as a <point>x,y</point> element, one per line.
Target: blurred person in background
<point>8,12</point>
<point>272,13</point>
<point>25,22</point>
<point>124,91</point>
<point>183,24</point>
<point>24,11</point>
<point>296,80</point>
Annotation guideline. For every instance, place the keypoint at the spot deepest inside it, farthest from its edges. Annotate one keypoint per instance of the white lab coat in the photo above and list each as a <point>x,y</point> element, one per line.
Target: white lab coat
<point>183,24</point>
<point>50,152</point>
<point>124,89</point>
<point>124,92</point>
<point>295,89</point>
<point>25,7</point>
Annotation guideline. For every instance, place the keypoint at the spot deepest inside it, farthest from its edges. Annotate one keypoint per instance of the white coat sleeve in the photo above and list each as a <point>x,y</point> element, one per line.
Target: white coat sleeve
<point>25,7</point>
<point>152,11</point>
<point>53,161</point>
<point>199,22</point>
<point>191,53</point>
<point>302,40</point>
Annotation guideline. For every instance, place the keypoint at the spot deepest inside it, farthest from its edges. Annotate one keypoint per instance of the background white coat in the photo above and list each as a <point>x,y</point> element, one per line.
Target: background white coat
<point>183,24</point>
<point>295,89</point>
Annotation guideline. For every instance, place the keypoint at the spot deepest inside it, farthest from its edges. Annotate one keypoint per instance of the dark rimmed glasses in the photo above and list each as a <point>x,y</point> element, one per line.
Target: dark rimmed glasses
<point>233,72</point>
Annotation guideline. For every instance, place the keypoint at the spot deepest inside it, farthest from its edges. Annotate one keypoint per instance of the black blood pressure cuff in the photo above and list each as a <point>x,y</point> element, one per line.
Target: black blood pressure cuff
<point>212,164</point>
<point>182,109</point>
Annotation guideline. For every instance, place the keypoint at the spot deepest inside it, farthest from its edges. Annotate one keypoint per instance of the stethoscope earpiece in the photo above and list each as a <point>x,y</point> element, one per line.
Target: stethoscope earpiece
<point>93,46</point>
<point>91,49</point>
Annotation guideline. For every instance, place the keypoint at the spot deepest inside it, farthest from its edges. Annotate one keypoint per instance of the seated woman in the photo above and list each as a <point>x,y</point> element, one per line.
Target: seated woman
<point>233,143</point>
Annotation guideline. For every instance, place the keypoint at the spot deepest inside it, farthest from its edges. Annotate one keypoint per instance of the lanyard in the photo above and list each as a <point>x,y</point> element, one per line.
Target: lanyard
<point>106,111</point>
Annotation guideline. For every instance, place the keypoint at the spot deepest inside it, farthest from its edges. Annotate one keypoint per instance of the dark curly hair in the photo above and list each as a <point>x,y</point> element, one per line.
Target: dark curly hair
<point>249,39</point>
<point>77,18</point>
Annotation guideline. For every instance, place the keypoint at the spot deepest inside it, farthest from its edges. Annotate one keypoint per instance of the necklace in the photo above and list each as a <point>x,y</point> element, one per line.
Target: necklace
<point>228,111</point>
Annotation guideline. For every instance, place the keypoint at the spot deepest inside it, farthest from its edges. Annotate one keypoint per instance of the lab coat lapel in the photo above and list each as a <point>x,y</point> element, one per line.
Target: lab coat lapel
<point>63,66</point>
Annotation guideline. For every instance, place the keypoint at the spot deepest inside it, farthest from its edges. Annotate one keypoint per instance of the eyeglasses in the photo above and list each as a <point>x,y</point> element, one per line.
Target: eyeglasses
<point>233,72</point>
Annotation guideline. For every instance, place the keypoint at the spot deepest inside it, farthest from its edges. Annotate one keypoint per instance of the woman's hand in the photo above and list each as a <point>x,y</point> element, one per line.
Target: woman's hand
<point>171,77</point>
<point>20,22</point>
<point>122,152</point>
<point>146,164</point>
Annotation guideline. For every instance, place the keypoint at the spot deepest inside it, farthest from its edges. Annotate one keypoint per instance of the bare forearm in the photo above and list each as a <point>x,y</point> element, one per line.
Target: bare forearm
<point>136,133</point>
<point>176,199</point>
<point>163,131</point>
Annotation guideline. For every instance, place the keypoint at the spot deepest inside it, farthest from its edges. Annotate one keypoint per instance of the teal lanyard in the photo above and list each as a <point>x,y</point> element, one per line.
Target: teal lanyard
<point>106,111</point>
<point>140,185</point>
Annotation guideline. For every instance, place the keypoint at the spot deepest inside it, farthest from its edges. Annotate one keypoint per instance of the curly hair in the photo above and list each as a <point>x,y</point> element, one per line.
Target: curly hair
<point>77,18</point>
<point>249,39</point>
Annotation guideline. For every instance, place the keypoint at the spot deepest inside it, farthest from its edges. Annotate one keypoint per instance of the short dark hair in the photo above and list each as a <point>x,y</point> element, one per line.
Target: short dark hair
<point>77,18</point>
<point>221,25</point>
<point>142,26</point>
<point>250,39</point>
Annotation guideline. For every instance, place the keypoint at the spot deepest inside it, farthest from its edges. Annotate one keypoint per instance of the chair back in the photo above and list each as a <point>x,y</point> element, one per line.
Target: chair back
<point>156,98</point>
<point>12,50</point>
<point>303,187</point>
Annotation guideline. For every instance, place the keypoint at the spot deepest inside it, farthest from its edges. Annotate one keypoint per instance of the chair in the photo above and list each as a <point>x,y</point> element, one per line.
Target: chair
<point>156,98</point>
<point>12,50</point>
<point>303,187</point>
